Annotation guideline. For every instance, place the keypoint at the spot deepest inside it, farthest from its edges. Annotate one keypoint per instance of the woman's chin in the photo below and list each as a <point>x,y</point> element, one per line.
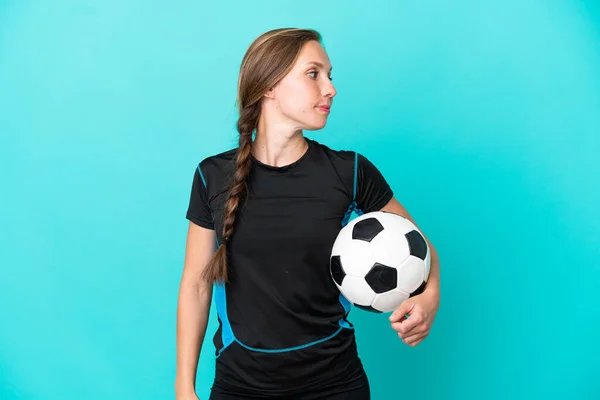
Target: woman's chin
<point>316,124</point>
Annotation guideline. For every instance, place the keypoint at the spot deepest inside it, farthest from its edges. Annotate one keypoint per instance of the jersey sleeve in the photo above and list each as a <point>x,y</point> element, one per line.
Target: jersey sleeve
<point>372,190</point>
<point>198,209</point>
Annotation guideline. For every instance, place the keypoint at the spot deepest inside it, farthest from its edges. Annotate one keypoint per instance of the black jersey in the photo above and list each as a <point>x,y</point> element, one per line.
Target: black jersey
<point>283,324</point>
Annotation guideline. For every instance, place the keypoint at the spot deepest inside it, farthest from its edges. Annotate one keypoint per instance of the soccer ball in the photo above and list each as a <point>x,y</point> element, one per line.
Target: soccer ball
<point>378,260</point>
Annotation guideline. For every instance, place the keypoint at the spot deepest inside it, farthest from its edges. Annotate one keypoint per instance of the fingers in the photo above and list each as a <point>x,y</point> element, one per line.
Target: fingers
<point>406,327</point>
<point>413,330</point>
<point>411,322</point>
<point>400,313</point>
<point>414,340</point>
<point>417,330</point>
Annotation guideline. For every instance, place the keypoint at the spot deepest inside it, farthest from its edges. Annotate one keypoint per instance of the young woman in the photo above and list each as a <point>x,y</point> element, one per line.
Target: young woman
<point>275,205</point>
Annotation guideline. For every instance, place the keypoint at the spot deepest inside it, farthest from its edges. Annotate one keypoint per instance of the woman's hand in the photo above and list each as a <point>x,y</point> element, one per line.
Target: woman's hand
<point>421,310</point>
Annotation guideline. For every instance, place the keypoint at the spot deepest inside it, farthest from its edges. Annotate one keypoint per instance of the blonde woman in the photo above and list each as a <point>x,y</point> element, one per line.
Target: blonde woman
<point>273,207</point>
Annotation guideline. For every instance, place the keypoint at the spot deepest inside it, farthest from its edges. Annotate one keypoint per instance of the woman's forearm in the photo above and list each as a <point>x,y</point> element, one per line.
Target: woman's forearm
<point>192,318</point>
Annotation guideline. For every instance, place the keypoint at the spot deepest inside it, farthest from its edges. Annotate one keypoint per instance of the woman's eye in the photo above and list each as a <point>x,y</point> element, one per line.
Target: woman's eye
<point>316,73</point>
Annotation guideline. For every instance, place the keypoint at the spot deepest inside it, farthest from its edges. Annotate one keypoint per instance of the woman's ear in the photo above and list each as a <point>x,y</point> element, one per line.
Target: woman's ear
<point>270,93</point>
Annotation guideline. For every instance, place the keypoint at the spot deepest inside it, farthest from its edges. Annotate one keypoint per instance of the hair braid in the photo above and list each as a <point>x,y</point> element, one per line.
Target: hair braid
<point>217,270</point>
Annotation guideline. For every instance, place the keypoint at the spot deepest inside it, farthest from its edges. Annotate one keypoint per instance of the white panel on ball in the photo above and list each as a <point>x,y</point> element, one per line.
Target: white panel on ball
<point>356,257</point>
<point>343,238</point>
<point>357,290</point>
<point>401,223</point>
<point>389,301</point>
<point>391,245</point>
<point>411,274</point>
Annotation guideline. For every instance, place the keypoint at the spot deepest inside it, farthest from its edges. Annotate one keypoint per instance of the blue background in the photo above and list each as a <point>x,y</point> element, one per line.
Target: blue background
<point>484,116</point>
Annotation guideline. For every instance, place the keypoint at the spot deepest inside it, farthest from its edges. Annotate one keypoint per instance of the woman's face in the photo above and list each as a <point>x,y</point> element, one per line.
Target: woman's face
<point>304,96</point>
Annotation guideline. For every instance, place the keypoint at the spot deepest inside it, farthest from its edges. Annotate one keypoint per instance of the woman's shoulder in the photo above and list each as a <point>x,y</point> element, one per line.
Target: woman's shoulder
<point>333,153</point>
<point>219,158</point>
<point>216,167</point>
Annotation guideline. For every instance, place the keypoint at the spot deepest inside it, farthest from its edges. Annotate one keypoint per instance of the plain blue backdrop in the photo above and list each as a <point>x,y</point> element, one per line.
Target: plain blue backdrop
<point>483,115</point>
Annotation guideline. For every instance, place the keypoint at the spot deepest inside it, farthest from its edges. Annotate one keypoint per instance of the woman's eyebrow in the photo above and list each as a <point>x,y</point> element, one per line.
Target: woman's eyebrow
<point>318,64</point>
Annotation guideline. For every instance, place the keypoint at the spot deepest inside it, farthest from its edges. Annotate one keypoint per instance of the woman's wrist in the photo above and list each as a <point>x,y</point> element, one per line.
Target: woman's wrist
<point>184,387</point>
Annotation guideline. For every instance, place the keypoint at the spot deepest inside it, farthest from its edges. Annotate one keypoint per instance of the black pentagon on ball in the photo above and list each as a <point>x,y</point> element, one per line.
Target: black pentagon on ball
<point>366,229</point>
<point>419,290</point>
<point>417,244</point>
<point>382,278</point>
<point>337,271</point>
<point>367,308</point>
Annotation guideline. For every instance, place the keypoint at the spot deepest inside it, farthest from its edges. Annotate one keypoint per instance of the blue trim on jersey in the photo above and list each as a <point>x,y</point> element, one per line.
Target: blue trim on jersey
<point>354,206</point>
<point>355,174</point>
<point>221,302</point>
<point>204,182</point>
<point>347,305</point>
<point>356,209</point>
<point>303,346</point>
<point>227,336</point>
<point>201,175</point>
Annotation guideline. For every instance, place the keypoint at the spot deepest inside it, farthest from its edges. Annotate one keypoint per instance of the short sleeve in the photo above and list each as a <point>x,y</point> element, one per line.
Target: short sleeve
<point>372,190</point>
<point>198,209</point>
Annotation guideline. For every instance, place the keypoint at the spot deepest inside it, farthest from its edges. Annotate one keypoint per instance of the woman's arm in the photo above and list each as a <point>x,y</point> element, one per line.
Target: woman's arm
<point>422,308</point>
<point>193,308</point>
